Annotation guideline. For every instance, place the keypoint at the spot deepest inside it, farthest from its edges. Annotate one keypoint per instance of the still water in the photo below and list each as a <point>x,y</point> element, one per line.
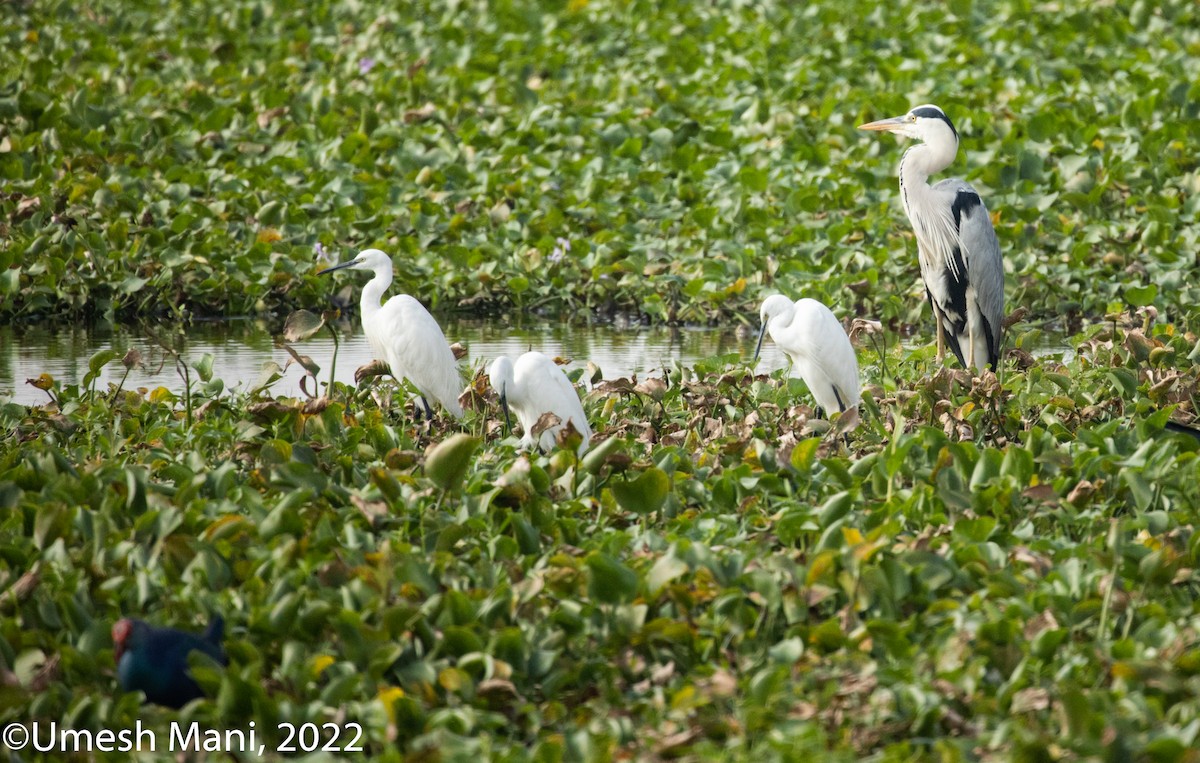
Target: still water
<point>240,348</point>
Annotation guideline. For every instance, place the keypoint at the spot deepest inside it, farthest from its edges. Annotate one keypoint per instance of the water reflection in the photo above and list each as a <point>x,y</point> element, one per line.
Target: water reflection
<point>239,349</point>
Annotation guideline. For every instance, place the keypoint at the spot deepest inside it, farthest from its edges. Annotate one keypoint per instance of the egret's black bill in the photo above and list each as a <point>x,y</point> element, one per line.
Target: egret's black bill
<point>507,420</point>
<point>335,267</point>
<point>758,347</point>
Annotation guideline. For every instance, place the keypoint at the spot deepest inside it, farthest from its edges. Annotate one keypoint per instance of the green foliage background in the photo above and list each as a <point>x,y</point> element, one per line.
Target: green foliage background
<point>988,569</point>
<point>153,152</point>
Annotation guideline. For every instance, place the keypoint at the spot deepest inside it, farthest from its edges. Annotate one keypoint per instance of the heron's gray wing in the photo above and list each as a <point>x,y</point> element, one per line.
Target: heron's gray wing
<point>985,267</point>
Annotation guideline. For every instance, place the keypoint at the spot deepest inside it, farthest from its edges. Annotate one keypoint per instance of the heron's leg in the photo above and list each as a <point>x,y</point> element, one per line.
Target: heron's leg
<point>941,337</point>
<point>428,410</point>
<point>971,349</point>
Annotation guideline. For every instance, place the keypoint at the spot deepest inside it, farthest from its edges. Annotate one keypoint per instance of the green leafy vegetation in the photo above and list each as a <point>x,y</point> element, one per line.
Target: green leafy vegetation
<point>613,156</point>
<point>990,568</point>
<point>986,570</point>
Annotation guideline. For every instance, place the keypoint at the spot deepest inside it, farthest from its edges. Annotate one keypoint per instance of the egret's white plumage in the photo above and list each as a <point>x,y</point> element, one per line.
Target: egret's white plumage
<point>403,334</point>
<point>956,243</point>
<point>535,385</point>
<point>821,353</point>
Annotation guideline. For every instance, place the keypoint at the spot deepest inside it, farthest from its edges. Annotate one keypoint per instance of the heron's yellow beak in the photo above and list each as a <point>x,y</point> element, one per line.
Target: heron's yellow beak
<point>888,125</point>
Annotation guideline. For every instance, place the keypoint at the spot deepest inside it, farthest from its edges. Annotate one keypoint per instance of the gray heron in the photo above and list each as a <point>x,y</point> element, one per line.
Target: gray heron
<point>403,334</point>
<point>808,332</point>
<point>956,243</point>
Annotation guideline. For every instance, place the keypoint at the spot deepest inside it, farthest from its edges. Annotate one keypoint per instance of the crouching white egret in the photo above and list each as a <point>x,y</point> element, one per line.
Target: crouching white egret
<point>821,353</point>
<point>404,335</point>
<point>533,386</point>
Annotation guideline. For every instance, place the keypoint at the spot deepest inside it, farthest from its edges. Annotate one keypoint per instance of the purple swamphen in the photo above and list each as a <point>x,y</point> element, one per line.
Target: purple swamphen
<point>155,660</point>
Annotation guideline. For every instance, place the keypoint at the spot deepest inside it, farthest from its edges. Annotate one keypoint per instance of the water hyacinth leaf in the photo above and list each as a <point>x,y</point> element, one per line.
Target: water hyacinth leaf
<point>804,454</point>
<point>49,524</point>
<point>268,375</point>
<point>271,213</point>
<point>304,361</point>
<point>644,494</point>
<point>132,285</point>
<point>1140,296</point>
<point>204,366</point>
<point>787,651</point>
<point>101,359</point>
<point>596,457</point>
<point>832,537</point>
<point>528,538</point>
<point>449,536</point>
<point>835,508</point>
<point>301,325</point>
<point>446,463</point>
<point>610,581</point>
<point>666,569</point>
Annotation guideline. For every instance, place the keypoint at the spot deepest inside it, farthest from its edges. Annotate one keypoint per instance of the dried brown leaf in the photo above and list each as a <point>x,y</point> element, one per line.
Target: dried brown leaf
<point>47,675</point>
<point>371,370</point>
<point>1032,699</point>
<point>133,359</point>
<point>423,114</point>
<point>1083,491</point>
<point>21,589</point>
<point>1041,622</point>
<point>265,118</point>
<point>547,420</point>
<point>374,511</point>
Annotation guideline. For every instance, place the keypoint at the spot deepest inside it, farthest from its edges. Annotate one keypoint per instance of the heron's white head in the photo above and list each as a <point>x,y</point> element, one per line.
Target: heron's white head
<point>367,259</point>
<point>926,123</point>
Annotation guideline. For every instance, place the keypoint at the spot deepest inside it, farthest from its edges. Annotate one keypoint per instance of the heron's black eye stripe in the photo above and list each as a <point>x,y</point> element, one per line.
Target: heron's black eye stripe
<point>929,112</point>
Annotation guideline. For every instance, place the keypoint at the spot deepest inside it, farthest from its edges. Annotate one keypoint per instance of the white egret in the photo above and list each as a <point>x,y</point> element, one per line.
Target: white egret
<point>809,333</point>
<point>533,386</point>
<point>956,244</point>
<point>404,335</point>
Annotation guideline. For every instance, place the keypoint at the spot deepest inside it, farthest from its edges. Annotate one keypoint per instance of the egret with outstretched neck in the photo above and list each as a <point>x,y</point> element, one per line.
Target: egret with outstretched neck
<point>809,333</point>
<point>956,243</point>
<point>533,386</point>
<point>404,335</point>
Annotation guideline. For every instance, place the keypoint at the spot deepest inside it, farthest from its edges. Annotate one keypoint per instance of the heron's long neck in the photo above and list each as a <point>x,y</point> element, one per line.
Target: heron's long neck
<point>919,162</point>
<point>372,293</point>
